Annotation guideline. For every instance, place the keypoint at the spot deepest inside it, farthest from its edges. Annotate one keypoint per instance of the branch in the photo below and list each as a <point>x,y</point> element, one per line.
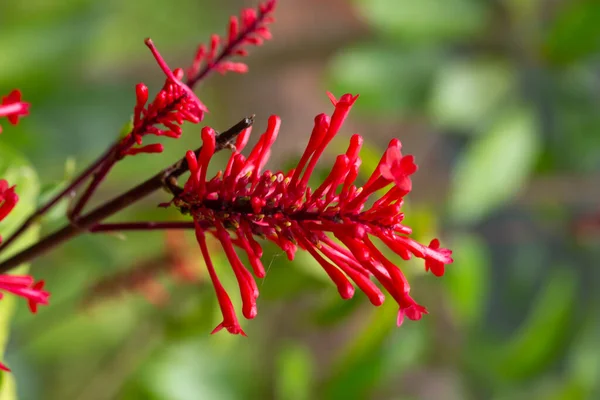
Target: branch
<point>141,226</point>
<point>33,218</point>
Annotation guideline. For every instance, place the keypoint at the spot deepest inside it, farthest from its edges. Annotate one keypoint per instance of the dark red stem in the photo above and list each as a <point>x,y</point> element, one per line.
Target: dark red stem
<point>141,226</point>
<point>54,200</point>
<point>115,154</point>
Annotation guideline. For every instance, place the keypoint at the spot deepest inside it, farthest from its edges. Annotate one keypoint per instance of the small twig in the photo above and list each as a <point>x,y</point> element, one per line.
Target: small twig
<point>68,191</point>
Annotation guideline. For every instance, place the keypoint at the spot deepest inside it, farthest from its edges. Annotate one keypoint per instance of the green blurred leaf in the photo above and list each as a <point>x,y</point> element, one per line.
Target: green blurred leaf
<point>467,280</point>
<point>583,362</point>
<point>60,209</point>
<point>334,311</point>
<point>465,94</point>
<point>541,337</point>
<point>195,369</point>
<point>425,20</point>
<point>575,33</point>
<point>361,365</point>
<point>295,372</point>
<point>390,80</point>
<point>17,171</point>
<point>39,46</point>
<point>494,167</point>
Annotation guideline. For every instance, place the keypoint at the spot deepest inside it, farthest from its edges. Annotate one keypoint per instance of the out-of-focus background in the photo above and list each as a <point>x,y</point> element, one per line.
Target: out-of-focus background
<point>499,102</point>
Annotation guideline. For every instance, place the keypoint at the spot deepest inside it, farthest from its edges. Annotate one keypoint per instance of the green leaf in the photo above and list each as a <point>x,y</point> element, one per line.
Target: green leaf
<point>59,210</point>
<point>361,365</point>
<point>196,369</point>
<point>467,279</point>
<point>583,364</point>
<point>34,42</point>
<point>494,167</point>
<point>295,370</point>
<point>539,338</point>
<point>425,20</point>
<point>17,171</point>
<point>575,33</point>
<point>390,80</point>
<point>465,94</point>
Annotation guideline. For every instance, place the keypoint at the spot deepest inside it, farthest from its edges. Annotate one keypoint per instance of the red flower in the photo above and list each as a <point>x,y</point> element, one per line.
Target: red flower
<point>174,104</point>
<point>12,107</point>
<point>8,200</point>
<point>23,286</point>
<point>176,101</point>
<point>243,202</point>
<point>19,285</point>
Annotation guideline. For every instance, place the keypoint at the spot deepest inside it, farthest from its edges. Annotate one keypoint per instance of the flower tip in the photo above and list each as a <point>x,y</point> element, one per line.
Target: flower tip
<point>414,312</point>
<point>251,311</point>
<point>208,134</point>
<point>377,298</point>
<point>322,119</point>
<point>15,107</point>
<point>141,93</point>
<point>400,318</point>
<point>357,140</point>
<point>234,329</point>
<point>346,101</point>
<point>346,291</point>
<point>332,98</point>
<point>14,96</point>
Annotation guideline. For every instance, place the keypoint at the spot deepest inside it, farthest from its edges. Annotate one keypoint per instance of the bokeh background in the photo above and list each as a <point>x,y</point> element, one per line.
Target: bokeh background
<point>498,100</point>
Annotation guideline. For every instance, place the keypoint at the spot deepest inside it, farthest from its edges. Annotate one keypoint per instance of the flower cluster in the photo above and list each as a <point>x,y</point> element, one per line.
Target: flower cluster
<point>174,104</point>
<point>12,107</point>
<point>18,285</point>
<point>176,101</point>
<point>332,222</point>
<point>253,31</point>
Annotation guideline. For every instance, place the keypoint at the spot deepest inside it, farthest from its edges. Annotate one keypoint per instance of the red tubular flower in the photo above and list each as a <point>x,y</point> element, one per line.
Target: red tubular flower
<point>282,208</point>
<point>8,200</point>
<point>25,287</point>
<point>12,107</point>
<point>19,285</point>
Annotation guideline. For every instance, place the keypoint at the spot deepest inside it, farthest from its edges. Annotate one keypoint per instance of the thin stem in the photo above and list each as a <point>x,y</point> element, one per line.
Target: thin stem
<point>91,189</point>
<point>114,156</point>
<point>118,203</point>
<point>141,226</point>
<point>54,200</point>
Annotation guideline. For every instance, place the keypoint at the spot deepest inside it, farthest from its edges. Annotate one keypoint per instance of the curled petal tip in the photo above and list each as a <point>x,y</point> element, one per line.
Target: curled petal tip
<point>346,100</point>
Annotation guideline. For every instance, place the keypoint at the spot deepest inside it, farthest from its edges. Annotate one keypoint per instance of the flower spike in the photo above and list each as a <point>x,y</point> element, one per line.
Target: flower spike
<point>282,208</point>
<point>251,28</point>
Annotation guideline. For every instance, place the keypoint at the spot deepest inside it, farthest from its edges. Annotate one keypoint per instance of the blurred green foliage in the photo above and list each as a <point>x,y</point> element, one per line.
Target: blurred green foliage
<point>508,88</point>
